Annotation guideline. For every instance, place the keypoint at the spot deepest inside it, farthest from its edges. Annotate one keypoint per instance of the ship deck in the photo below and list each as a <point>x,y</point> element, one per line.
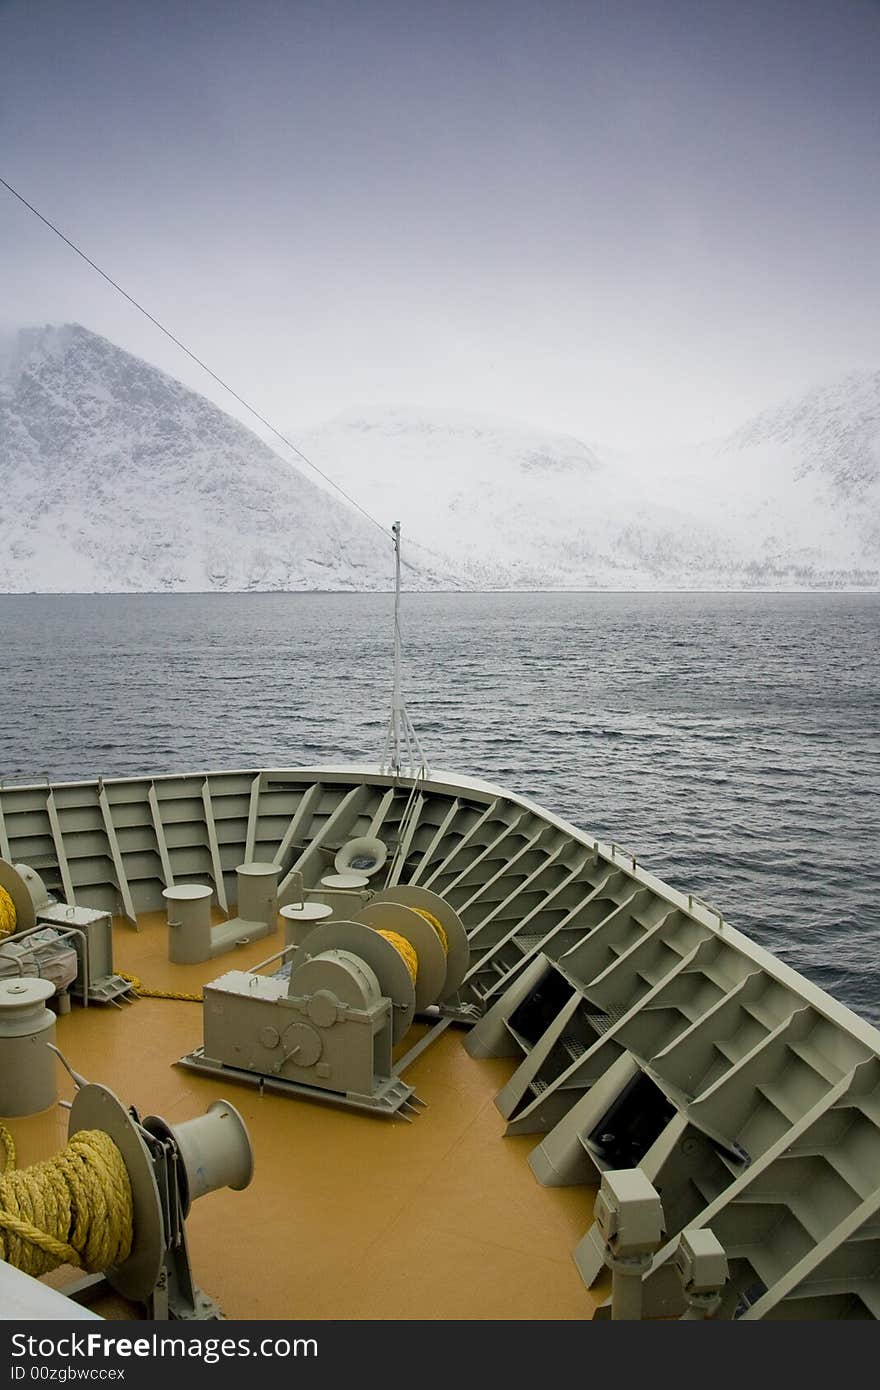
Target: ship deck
<point>617,1021</point>
<point>348,1216</point>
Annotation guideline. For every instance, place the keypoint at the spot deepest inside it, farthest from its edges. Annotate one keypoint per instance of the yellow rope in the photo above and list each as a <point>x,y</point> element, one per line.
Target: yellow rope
<point>8,1143</point>
<point>404,949</point>
<point>8,915</point>
<point>144,993</point>
<point>438,927</point>
<point>75,1208</point>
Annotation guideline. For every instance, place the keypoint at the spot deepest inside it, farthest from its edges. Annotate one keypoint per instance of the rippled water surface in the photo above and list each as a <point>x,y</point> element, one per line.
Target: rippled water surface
<point>731,740</point>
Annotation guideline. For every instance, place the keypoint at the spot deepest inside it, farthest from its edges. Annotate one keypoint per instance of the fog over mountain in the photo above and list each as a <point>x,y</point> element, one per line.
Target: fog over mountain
<point>115,477</point>
<point>791,500</point>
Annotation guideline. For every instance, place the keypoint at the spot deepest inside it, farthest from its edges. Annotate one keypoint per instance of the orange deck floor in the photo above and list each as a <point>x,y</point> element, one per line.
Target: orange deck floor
<point>349,1216</point>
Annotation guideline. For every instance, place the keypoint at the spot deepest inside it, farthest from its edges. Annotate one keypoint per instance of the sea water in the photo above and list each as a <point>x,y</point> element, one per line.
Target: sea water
<point>731,741</point>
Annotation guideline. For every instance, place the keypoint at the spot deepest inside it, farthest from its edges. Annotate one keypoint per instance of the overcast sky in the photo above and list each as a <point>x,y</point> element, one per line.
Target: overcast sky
<point>624,220</point>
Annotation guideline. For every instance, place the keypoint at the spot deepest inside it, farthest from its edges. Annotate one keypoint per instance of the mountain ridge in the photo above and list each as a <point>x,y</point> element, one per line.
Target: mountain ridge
<point>114,477</point>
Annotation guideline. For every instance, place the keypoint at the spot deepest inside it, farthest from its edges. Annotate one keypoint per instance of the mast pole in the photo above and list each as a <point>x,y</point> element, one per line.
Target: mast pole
<point>401,738</point>
<point>396,696</point>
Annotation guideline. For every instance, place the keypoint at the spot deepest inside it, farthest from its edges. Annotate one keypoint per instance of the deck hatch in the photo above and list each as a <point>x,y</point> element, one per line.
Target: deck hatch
<point>631,1124</point>
<point>534,1015</point>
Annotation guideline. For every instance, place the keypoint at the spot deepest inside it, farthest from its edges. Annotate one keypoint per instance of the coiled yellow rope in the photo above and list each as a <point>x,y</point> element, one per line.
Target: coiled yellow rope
<point>406,949</point>
<point>438,927</point>
<point>75,1208</point>
<point>144,993</point>
<point>8,915</point>
<point>403,948</point>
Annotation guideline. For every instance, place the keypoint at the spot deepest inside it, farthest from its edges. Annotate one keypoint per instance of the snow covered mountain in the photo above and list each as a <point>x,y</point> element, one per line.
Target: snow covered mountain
<point>790,501</point>
<point>796,490</point>
<point>115,477</point>
<point>516,507</point>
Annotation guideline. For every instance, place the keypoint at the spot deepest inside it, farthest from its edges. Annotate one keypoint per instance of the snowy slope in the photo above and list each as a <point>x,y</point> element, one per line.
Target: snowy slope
<point>797,488</point>
<point>517,507</point>
<point>114,476</point>
<point>497,496</point>
<point>789,501</point>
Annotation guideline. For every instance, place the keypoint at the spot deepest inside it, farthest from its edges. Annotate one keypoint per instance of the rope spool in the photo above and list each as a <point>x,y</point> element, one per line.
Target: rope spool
<point>424,941</point>
<point>23,890</point>
<point>446,927</point>
<point>75,1208</point>
<point>436,924</point>
<point>404,949</point>
<point>399,970</point>
<point>423,949</point>
<point>407,950</point>
<point>8,914</point>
